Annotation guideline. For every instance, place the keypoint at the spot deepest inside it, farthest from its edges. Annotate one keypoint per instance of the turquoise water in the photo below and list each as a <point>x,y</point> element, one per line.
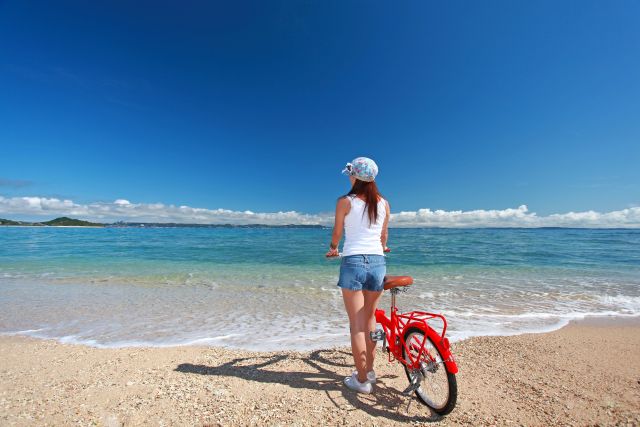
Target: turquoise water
<point>273,288</point>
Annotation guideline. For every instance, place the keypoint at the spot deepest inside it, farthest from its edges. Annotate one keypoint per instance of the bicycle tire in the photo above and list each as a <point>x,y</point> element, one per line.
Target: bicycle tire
<point>446,404</point>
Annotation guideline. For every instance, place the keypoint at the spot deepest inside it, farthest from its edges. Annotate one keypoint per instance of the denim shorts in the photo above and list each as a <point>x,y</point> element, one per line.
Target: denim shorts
<point>362,272</point>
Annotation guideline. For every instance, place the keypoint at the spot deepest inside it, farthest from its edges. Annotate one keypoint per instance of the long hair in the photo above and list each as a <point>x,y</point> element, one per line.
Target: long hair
<point>371,196</point>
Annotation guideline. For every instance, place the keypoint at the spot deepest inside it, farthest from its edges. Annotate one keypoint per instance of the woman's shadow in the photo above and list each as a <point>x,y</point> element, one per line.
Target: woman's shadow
<point>386,401</point>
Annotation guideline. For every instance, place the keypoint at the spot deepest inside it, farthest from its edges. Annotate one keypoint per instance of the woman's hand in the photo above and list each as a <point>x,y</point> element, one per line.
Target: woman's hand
<point>332,253</point>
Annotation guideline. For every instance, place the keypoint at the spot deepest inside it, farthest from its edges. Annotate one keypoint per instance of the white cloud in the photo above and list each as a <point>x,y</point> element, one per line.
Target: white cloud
<point>124,210</point>
<point>520,217</point>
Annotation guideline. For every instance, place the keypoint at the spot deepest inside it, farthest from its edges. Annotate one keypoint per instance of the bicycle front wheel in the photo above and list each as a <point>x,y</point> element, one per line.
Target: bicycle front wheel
<point>436,387</point>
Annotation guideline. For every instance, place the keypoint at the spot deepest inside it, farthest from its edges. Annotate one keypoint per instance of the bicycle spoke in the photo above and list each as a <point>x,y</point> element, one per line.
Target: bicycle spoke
<point>433,387</point>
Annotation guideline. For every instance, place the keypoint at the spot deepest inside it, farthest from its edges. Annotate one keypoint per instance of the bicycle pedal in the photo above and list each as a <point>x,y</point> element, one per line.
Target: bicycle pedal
<point>377,335</point>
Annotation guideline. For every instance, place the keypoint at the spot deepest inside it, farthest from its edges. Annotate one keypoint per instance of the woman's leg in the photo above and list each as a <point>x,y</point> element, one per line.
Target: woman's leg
<point>371,299</point>
<point>354,304</point>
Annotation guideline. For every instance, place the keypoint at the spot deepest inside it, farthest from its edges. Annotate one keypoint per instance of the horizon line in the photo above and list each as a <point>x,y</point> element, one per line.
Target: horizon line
<point>138,224</point>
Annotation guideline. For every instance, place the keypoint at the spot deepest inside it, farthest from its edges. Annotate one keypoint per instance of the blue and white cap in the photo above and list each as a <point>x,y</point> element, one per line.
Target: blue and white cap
<point>362,168</point>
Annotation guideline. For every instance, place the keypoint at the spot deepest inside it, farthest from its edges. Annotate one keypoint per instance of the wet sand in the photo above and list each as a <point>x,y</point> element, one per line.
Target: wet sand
<point>587,373</point>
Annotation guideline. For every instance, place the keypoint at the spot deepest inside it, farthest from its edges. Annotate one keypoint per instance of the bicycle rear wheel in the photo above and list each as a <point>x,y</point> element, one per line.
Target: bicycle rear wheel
<point>437,388</point>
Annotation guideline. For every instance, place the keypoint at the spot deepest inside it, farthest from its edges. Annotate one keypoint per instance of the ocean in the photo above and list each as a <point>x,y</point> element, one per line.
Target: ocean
<point>273,289</point>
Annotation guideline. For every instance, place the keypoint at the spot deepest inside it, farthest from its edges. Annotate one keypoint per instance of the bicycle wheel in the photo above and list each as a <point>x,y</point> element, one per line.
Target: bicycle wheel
<point>438,388</point>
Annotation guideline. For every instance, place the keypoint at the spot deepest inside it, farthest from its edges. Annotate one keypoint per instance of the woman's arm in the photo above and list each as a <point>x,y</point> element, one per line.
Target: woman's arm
<point>342,209</point>
<point>385,228</point>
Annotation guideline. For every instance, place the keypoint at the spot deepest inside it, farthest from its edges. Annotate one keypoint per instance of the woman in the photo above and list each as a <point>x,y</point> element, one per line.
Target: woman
<point>364,214</point>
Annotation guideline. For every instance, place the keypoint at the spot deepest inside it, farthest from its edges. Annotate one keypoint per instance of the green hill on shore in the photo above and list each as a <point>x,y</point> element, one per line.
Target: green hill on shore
<point>62,221</point>
<point>9,222</point>
<point>70,221</point>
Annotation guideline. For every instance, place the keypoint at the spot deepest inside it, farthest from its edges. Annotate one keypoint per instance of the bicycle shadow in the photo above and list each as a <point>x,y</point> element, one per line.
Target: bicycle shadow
<point>387,401</point>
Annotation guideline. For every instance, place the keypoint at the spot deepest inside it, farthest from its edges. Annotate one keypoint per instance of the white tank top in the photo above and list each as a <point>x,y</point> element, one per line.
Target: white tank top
<point>359,237</point>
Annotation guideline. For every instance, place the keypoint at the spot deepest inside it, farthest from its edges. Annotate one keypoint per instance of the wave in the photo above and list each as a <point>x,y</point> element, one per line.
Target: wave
<point>557,323</point>
<point>331,337</point>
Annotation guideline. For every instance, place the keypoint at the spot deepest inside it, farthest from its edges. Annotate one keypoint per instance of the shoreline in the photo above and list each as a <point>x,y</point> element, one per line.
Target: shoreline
<point>594,319</point>
<point>553,378</point>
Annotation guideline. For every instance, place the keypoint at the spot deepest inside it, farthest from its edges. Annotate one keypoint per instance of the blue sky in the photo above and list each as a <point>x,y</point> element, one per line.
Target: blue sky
<point>258,105</point>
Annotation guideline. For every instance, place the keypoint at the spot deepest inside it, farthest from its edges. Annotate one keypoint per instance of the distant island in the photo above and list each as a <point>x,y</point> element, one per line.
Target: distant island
<point>71,222</point>
<point>58,222</point>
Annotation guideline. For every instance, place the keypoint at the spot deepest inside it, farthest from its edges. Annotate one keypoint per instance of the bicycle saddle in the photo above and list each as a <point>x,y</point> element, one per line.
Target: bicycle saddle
<point>391,282</point>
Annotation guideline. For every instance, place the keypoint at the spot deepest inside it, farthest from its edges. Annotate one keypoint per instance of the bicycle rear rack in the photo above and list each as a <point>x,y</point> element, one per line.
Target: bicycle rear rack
<point>415,316</point>
<point>422,317</point>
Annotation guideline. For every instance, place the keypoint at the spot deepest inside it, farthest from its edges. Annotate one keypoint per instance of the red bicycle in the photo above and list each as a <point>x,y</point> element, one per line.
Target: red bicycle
<point>425,354</point>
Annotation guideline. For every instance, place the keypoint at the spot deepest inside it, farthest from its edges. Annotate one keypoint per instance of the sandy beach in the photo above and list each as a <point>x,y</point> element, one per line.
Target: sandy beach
<point>587,373</point>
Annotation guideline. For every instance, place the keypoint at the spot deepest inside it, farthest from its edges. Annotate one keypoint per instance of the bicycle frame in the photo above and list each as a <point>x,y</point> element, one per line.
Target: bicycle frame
<point>395,326</point>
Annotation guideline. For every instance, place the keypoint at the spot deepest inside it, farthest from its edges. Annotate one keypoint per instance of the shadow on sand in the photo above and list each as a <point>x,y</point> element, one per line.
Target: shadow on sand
<point>386,401</point>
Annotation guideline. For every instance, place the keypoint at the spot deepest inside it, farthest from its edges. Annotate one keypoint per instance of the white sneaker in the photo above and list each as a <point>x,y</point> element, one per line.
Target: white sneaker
<point>353,383</point>
<point>371,376</point>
